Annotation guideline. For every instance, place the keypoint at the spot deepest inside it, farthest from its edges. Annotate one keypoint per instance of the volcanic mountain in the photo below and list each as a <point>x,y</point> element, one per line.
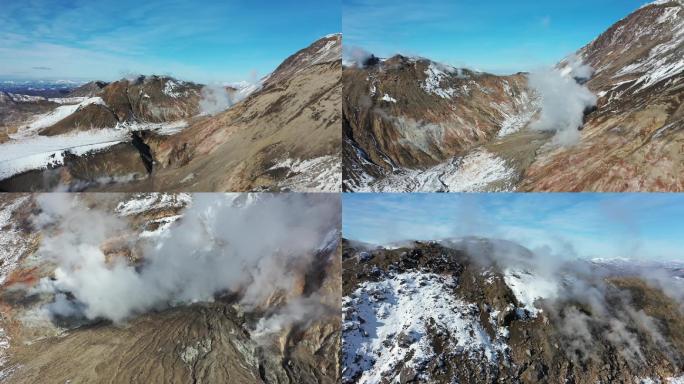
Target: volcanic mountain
<point>152,133</point>
<point>195,341</point>
<point>479,310</point>
<point>411,124</point>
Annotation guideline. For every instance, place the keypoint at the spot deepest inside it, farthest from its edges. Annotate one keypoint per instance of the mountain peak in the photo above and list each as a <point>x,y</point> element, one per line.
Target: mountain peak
<point>663,2</point>
<point>325,50</point>
<point>644,47</point>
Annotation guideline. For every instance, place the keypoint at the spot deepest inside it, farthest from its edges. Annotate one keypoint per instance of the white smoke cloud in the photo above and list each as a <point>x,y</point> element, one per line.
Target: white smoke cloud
<point>563,101</point>
<point>301,311</point>
<point>218,246</point>
<point>131,77</point>
<point>574,67</point>
<point>215,99</point>
<point>354,56</point>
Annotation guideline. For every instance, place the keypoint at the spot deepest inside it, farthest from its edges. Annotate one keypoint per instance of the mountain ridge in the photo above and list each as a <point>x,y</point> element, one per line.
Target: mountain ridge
<point>479,311</point>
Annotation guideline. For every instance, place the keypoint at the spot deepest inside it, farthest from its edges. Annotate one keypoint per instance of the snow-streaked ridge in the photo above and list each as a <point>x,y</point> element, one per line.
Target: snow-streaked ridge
<point>59,114</point>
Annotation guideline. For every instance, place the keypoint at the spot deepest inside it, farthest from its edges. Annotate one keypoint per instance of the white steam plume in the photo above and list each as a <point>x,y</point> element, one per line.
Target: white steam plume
<point>257,250</point>
<point>574,67</point>
<point>354,56</point>
<point>563,100</point>
<point>215,99</point>
<point>301,311</point>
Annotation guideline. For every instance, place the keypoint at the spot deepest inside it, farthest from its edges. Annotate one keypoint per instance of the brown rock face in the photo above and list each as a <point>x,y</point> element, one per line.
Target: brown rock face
<point>197,344</point>
<point>409,123</point>
<point>121,163</point>
<point>414,113</point>
<point>89,89</point>
<point>152,99</point>
<point>14,113</point>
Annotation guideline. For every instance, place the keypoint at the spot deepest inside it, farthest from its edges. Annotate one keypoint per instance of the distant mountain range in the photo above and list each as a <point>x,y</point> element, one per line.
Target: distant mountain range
<point>45,88</point>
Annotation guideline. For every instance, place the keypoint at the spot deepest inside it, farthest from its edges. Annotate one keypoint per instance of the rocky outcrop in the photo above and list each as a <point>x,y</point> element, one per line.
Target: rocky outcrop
<point>89,89</point>
<point>14,112</point>
<point>147,99</point>
<point>88,117</point>
<point>413,113</point>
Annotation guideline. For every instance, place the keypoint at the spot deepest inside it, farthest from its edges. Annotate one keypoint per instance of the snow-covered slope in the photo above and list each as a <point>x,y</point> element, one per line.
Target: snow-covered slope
<point>475,172</point>
<point>387,325</point>
<point>60,113</point>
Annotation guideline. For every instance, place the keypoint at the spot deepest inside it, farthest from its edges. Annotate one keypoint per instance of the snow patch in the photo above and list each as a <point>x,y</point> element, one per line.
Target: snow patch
<point>659,65</point>
<point>389,98</point>
<point>478,171</point>
<point>68,100</point>
<point>514,122</point>
<point>17,98</point>
<point>388,323</point>
<point>432,83</point>
<point>527,288</point>
<point>161,225</point>
<point>28,151</point>
<point>12,247</point>
<point>319,174</point>
<point>145,202</point>
<point>41,152</point>
<point>172,88</point>
<point>243,89</point>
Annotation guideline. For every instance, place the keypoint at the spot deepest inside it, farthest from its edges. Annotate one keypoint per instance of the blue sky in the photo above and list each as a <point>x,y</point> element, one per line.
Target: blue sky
<point>223,40</point>
<point>499,36</point>
<point>644,226</point>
